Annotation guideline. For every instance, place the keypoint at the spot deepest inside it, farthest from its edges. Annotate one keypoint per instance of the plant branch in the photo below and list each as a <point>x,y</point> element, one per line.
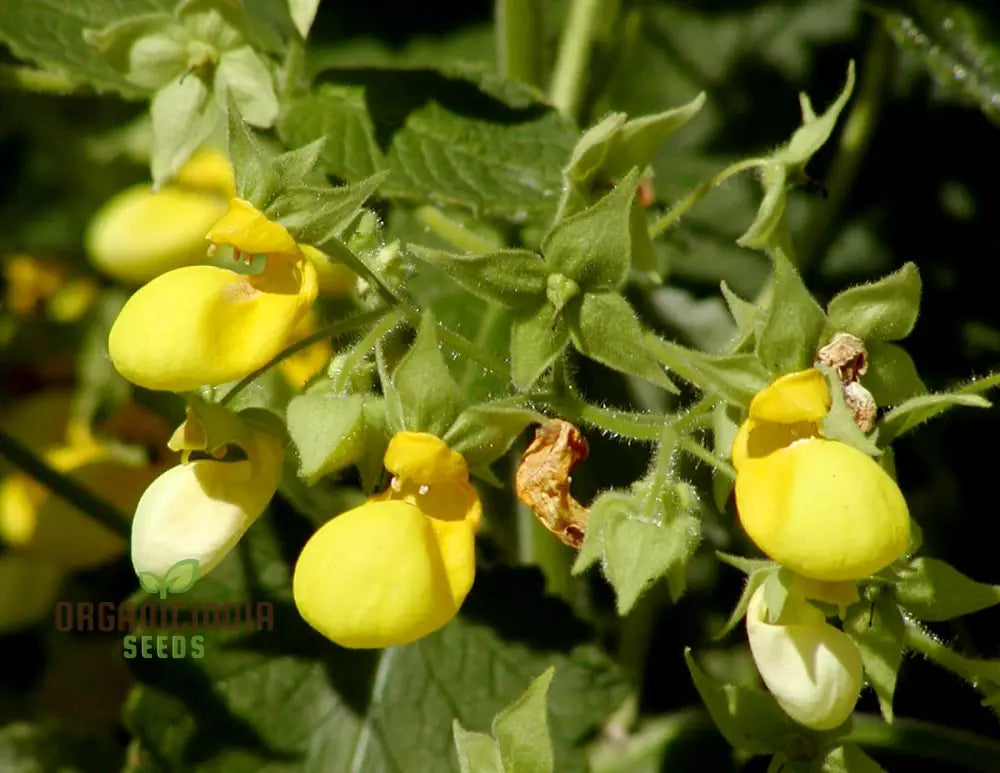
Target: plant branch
<point>916,738</point>
<point>573,60</point>
<point>519,37</point>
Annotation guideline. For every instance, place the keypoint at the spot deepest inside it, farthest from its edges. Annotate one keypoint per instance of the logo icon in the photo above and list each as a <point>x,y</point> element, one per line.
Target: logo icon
<point>178,578</point>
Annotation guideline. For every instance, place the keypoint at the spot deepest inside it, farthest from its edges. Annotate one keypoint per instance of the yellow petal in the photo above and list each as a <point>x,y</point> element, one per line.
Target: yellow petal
<point>756,439</point>
<point>374,577</point>
<point>248,230</point>
<point>28,591</point>
<point>208,170</point>
<point>423,458</point>
<point>206,325</point>
<point>138,234</point>
<point>823,509</point>
<point>801,396</point>
<point>454,511</point>
<point>812,669</point>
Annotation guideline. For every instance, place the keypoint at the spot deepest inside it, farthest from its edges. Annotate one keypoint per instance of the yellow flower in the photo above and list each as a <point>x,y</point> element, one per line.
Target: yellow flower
<point>298,368</point>
<point>138,234</point>
<point>399,566</point>
<point>822,508</point>
<point>207,325</point>
<point>811,668</point>
<point>200,509</point>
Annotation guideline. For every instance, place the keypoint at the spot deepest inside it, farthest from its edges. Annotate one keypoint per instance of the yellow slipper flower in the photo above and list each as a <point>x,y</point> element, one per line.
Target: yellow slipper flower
<point>399,566</point>
<point>811,668</point>
<point>206,325</point>
<point>822,508</point>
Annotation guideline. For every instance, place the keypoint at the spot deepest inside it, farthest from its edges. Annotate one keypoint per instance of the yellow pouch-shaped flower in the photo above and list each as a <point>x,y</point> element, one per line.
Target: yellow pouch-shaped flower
<point>399,566</point>
<point>822,508</point>
<point>811,668</point>
<point>200,509</point>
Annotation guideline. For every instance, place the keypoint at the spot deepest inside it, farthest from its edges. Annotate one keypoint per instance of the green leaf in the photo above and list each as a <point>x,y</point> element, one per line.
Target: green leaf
<point>149,50</point>
<point>287,700</point>
<point>428,394</point>
<point>477,752</point>
<point>877,629</point>
<point>243,74</point>
<point>933,590</point>
<point>328,432</point>
<point>181,576</point>
<point>214,425</point>
<point>793,323</point>
<point>750,719</point>
<point>736,378</point>
<point>744,313</point>
<point>604,328</point>
<point>55,746</point>
<point>483,433</point>
<point>593,247</point>
<point>756,578</point>
<point>257,179</point>
<point>957,42</point>
<point>508,277</point>
<point>892,376</point>
<point>915,411</point>
<point>303,13</point>
<point>318,214</point>
<point>760,234</point>
<point>150,583</point>
<point>885,310</point>
<point>849,759</point>
<point>183,115</point>
<point>537,337</point>
<point>522,729</point>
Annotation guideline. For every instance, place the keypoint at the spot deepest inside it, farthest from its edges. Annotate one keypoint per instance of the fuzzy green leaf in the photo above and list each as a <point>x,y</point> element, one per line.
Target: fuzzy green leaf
<point>183,114</point>
<point>477,752</point>
<point>877,629</point>
<point>538,335</point>
<point>427,392</point>
<point>149,50</point>
<point>885,310</point>
<point>793,323</point>
<point>915,411</point>
<point>318,214</point>
<point>522,729</point>
<point>509,277</point>
<point>483,433</point>
<point>257,180</point>
<point>892,376</point>
<point>327,431</point>
<point>243,74</point>
<point>755,579</point>
<point>736,378</point>
<point>933,590</point>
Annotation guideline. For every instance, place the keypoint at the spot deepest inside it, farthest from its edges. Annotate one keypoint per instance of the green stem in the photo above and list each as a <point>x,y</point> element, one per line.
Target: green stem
<point>573,60</point>
<point>984,675</point>
<point>292,78</point>
<point>915,738</point>
<point>13,77</point>
<point>855,139</point>
<point>519,36</point>
<point>696,449</point>
<point>330,331</point>
<point>638,426</point>
<point>470,350</point>
<point>77,495</point>
<point>362,347</point>
<point>453,232</point>
<point>681,207</point>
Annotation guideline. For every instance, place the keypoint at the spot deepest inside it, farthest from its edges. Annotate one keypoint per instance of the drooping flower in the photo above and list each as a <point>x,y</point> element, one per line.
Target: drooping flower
<point>199,509</point>
<point>811,668</point>
<point>399,566</point>
<point>138,234</point>
<point>820,507</point>
<point>207,325</point>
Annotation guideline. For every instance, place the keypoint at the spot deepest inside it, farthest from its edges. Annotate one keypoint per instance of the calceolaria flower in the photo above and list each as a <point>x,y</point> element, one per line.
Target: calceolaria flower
<point>207,325</point>
<point>811,668</point>
<point>399,566</point>
<point>201,508</point>
<point>820,507</point>
<point>138,234</point>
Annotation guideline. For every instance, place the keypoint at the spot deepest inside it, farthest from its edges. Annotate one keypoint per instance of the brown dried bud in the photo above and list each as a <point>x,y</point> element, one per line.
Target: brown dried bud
<point>847,354</point>
<point>862,405</point>
<point>542,480</point>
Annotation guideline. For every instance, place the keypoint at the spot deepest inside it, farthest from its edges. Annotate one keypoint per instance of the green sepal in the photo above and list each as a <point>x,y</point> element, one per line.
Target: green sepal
<point>877,628</point>
<point>603,327</point>
<point>594,247</point>
<point>327,430</point>
<point>538,335</point>
<point>892,376</point>
<point>513,278</point>
<point>483,433</point>
<point>885,310</point>
<point>184,116</point>
<point>792,324</point>
<point>428,395</point>
<point>933,590</point>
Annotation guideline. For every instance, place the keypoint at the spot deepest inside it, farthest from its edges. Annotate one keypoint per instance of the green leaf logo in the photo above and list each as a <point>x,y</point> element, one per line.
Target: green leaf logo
<point>178,579</point>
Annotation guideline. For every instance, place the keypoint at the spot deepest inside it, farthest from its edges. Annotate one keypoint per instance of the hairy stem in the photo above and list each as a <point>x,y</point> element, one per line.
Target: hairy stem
<point>569,77</point>
<point>519,38</point>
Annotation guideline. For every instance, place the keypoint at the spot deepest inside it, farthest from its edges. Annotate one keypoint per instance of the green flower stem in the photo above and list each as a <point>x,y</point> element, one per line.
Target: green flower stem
<point>696,449</point>
<point>453,232</point>
<point>679,209</point>
<point>636,634</point>
<point>519,39</point>
<point>293,78</point>
<point>573,60</point>
<point>638,426</point>
<point>859,127</point>
<point>330,331</point>
<point>953,748</point>
<point>79,496</point>
<point>362,347</point>
<point>467,348</point>
<point>16,78</point>
<point>984,675</point>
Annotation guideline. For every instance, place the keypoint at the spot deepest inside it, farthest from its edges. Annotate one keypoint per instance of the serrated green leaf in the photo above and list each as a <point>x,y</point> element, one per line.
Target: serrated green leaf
<point>538,335</point>
<point>793,322</point>
<point>933,590</point>
<point>604,328</point>
<point>892,376</point>
<point>427,392</point>
<point>915,411</point>
<point>184,115</point>
<point>877,629</point>
<point>318,214</point>
<point>328,432</point>
<point>181,576</point>
<point>849,759</point>
<point>885,310</point>
<point>477,752</point>
<point>593,247</point>
<point>510,277</point>
<point>750,719</point>
<point>483,433</point>
<point>293,167</point>
<point>256,179</point>
<point>243,74</point>
<point>522,729</point>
